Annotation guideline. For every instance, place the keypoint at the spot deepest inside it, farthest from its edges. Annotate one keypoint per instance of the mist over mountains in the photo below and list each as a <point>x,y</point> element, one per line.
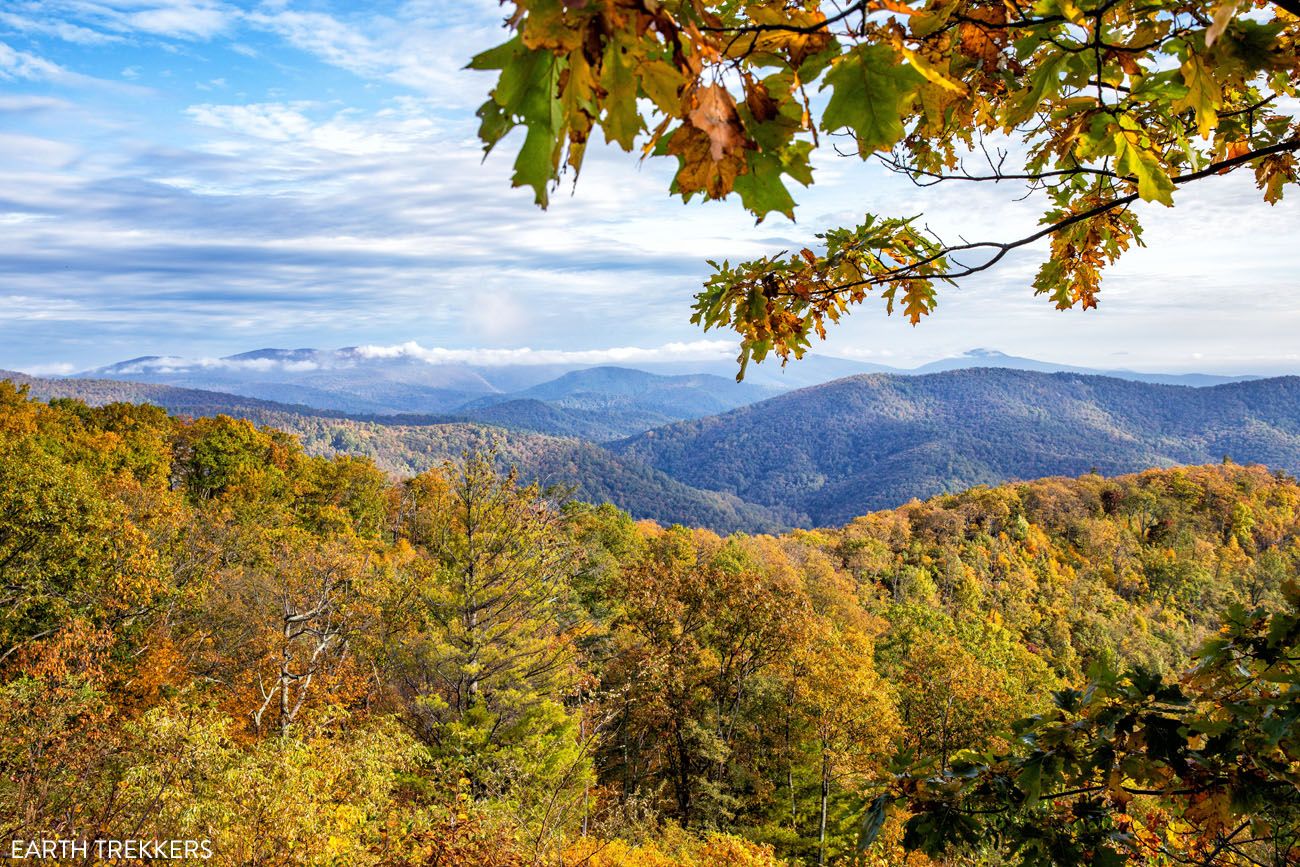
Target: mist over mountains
<point>390,380</point>
<point>683,442</point>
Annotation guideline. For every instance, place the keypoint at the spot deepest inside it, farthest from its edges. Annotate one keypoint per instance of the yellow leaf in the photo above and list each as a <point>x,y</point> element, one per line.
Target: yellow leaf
<point>932,73</point>
<point>1223,13</point>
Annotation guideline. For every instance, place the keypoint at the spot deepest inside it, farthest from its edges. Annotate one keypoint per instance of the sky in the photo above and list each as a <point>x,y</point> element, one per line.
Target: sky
<point>200,178</point>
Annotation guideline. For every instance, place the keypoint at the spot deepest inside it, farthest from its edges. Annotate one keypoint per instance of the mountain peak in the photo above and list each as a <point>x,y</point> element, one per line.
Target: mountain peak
<point>277,354</point>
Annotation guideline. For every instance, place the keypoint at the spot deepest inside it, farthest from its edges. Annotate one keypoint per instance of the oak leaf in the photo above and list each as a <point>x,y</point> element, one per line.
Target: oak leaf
<point>715,115</point>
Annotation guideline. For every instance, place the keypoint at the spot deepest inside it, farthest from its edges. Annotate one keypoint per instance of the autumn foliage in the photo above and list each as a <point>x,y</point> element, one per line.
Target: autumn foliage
<point>207,634</point>
<point>1087,108</point>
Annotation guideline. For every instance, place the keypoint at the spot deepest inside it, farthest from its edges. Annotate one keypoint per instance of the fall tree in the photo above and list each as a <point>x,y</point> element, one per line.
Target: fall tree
<point>207,635</point>
<point>1093,108</point>
<point>851,711</point>
<point>480,638</point>
<point>1134,768</point>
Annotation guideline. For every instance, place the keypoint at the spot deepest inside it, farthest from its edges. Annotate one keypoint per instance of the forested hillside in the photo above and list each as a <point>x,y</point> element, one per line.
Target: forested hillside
<point>619,389</point>
<point>836,450</point>
<point>530,415</point>
<point>209,634</point>
<point>817,456</point>
<point>405,445</point>
<point>356,381</point>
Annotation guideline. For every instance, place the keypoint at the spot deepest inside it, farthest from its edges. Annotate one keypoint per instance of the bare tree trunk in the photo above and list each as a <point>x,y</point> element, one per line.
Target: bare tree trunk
<point>825,798</point>
<point>286,657</point>
<point>789,766</point>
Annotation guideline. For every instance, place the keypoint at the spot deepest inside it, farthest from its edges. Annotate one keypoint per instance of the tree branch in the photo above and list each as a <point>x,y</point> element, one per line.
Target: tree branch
<point>913,270</point>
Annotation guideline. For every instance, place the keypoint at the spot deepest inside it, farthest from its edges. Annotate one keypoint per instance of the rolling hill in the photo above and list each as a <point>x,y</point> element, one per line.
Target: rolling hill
<point>838,450</point>
<point>597,403</point>
<point>628,398</point>
<point>392,380</point>
<point>816,456</point>
<point>592,473</point>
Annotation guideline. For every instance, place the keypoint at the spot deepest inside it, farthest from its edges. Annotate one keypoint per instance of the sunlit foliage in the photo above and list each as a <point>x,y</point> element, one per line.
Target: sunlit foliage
<point>208,634</point>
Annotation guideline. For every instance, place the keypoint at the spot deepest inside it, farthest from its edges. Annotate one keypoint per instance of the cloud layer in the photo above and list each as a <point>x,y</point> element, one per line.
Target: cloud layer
<point>197,178</point>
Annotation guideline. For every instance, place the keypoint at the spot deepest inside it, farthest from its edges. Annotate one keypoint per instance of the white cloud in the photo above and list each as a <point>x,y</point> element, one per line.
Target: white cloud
<point>177,364</point>
<point>99,22</point>
<point>15,64</point>
<point>23,103</point>
<point>344,132</point>
<point>699,350</point>
<point>695,350</point>
<point>65,30</point>
<point>181,19</point>
<point>423,47</point>
<point>53,368</point>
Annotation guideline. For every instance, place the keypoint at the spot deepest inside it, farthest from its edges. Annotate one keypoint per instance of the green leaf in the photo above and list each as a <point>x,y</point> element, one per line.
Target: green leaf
<point>1203,95</point>
<point>1030,780</point>
<point>761,190</point>
<point>622,121</point>
<point>535,166</point>
<point>662,83</point>
<point>1154,184</point>
<point>526,88</point>
<point>494,124</point>
<point>925,23</point>
<point>869,87</point>
<point>1044,83</point>
<point>497,57</point>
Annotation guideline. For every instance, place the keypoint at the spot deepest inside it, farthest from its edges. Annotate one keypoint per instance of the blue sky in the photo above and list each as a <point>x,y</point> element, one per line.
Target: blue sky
<point>199,178</point>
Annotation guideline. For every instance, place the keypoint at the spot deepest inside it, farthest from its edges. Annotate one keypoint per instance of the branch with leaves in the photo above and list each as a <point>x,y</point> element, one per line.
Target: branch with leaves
<point>1104,103</point>
<point>1215,755</point>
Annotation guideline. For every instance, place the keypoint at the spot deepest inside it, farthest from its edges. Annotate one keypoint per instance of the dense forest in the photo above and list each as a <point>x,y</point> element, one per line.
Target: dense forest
<point>817,456</point>
<point>209,634</point>
<point>407,445</point>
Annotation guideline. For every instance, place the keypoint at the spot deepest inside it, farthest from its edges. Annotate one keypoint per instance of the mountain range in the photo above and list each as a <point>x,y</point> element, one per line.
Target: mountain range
<point>698,448</point>
<point>405,446</point>
<point>835,451</point>
<point>391,381</point>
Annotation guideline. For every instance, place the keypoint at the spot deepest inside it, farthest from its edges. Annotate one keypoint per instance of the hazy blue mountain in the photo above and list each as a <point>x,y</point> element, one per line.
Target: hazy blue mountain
<point>361,380</point>
<point>347,380</point>
<point>593,402</point>
<point>844,448</point>
<point>818,455</point>
<point>812,369</point>
<point>176,400</point>
<point>818,369</point>
<point>621,390</point>
<point>992,358</point>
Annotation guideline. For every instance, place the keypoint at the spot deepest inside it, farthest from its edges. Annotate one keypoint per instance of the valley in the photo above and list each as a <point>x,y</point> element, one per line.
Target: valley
<point>699,449</point>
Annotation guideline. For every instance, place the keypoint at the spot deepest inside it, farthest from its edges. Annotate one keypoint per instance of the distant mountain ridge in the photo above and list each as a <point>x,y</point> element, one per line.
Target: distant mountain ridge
<point>378,381</point>
<point>815,456</point>
<point>838,450</point>
<point>356,382</point>
<point>992,358</point>
<point>591,472</point>
<point>651,399</point>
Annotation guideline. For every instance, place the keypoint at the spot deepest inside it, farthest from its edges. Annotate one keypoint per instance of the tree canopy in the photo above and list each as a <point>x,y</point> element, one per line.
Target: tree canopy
<point>207,634</point>
<point>1091,107</point>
